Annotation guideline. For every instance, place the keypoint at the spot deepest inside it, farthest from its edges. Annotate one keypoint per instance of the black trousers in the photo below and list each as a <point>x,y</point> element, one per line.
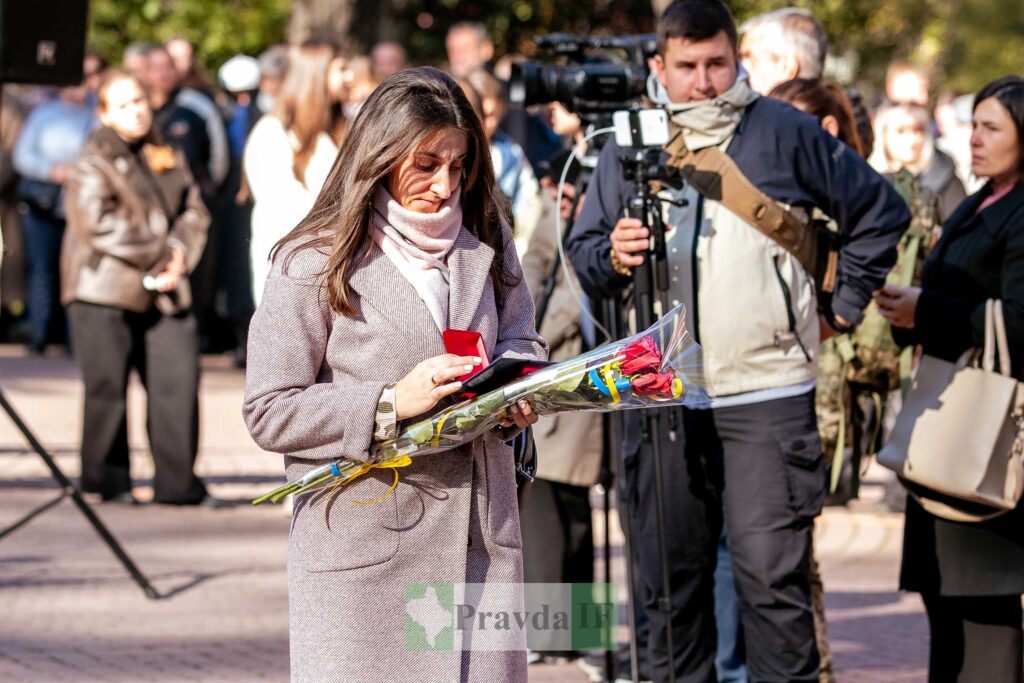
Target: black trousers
<point>975,639</point>
<point>759,467</point>
<point>558,534</point>
<point>109,342</point>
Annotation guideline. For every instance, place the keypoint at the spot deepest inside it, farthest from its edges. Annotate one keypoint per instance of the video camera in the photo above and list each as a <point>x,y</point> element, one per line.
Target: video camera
<point>589,84</point>
<point>603,80</point>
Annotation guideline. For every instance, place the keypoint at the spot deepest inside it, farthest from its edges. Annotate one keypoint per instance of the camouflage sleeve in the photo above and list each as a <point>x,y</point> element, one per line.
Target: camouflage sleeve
<point>386,425</point>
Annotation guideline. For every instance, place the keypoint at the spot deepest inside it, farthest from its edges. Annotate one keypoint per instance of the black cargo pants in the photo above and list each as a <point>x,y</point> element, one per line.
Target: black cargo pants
<point>758,466</point>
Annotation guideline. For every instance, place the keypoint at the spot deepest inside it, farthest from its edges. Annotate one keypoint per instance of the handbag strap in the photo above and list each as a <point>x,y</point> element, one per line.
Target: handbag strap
<point>995,339</point>
<point>988,356</point>
<point>1002,346</point>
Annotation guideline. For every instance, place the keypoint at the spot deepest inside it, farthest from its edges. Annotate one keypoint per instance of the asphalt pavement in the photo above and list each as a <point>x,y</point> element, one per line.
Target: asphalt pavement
<point>70,612</point>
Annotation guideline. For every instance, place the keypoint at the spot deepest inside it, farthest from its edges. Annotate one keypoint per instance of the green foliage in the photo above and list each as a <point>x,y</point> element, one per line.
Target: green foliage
<point>985,41</point>
<point>422,24</point>
<point>218,28</point>
<point>964,42</point>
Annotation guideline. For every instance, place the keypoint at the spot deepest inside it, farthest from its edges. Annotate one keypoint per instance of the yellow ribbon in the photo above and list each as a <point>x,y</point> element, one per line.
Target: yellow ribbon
<point>392,465</point>
<point>440,425</point>
<point>610,381</point>
<point>677,387</point>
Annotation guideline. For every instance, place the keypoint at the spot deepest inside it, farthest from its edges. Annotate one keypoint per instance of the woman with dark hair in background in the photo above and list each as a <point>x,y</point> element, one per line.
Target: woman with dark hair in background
<point>408,238</point>
<point>826,102</point>
<point>971,576</point>
<point>137,225</point>
<point>512,170</point>
<point>289,153</point>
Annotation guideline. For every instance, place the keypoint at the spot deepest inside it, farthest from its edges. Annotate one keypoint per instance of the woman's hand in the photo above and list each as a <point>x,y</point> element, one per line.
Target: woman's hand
<point>898,304</point>
<point>167,279</point>
<point>429,382</point>
<point>520,415</point>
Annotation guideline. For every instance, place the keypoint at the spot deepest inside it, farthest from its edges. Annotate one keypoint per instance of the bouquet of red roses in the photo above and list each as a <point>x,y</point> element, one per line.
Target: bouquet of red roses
<point>658,367</point>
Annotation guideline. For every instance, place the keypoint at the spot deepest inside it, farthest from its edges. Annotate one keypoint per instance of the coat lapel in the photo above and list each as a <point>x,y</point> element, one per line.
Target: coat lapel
<point>382,286</point>
<point>469,264</point>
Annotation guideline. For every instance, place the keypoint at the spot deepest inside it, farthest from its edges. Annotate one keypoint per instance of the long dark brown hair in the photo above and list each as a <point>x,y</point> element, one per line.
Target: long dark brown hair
<point>1009,92</point>
<point>821,99</point>
<point>406,109</point>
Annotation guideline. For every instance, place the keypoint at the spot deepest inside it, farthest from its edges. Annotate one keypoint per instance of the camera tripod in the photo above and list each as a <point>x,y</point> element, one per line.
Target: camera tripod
<point>650,283</point>
<point>69,490</point>
<point>610,421</point>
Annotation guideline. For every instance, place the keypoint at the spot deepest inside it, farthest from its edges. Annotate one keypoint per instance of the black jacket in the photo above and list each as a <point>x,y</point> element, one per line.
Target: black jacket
<point>980,256</point>
<point>789,157</point>
<point>185,130</point>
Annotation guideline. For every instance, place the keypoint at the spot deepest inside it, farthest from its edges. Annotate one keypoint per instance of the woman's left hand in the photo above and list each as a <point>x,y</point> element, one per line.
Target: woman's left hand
<point>898,304</point>
<point>520,415</point>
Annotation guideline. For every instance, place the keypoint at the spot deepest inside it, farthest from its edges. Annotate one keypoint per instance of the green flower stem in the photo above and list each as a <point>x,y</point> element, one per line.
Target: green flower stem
<point>560,388</point>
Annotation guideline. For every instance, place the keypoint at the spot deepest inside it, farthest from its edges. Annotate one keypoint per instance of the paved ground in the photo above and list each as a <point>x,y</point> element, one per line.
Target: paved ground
<point>71,613</point>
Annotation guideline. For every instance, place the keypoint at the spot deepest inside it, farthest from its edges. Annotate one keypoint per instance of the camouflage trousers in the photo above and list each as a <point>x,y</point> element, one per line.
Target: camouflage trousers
<point>872,370</point>
<point>826,672</point>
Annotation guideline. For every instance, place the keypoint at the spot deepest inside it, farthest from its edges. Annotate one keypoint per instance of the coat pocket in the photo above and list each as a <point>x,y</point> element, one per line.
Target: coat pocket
<point>331,531</point>
<point>805,474</point>
<point>502,502</point>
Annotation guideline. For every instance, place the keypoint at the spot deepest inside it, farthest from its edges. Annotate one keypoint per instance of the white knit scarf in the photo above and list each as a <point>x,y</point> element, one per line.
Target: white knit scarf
<point>418,244</point>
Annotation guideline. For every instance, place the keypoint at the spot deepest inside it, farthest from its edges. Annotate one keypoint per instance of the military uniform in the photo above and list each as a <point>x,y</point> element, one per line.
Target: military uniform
<point>867,361</point>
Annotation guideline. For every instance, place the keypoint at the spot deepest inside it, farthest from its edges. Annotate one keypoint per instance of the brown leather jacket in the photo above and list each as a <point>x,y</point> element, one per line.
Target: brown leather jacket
<point>125,214</point>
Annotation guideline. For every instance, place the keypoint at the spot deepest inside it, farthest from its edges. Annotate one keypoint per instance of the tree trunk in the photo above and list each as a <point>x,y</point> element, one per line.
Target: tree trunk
<point>353,25</point>
<point>321,20</point>
<point>659,6</point>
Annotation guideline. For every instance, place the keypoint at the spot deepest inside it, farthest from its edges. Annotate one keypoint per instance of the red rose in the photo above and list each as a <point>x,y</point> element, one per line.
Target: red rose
<point>658,384</point>
<point>641,356</point>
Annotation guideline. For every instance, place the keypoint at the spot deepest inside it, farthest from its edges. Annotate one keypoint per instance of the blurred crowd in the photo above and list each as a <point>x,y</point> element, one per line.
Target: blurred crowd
<point>252,147</point>
<point>260,138</point>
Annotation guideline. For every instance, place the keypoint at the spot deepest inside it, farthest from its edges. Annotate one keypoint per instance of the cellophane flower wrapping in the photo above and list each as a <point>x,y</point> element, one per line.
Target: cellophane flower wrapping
<point>661,366</point>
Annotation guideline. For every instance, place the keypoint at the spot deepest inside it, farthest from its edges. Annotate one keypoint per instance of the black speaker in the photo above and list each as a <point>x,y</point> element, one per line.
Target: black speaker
<point>42,41</point>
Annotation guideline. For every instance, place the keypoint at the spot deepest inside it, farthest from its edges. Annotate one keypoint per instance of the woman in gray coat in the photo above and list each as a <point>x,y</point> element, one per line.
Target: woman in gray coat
<point>405,240</point>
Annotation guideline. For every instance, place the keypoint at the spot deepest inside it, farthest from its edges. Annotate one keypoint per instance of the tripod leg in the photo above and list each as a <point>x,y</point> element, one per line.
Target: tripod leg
<point>606,482</point>
<point>611,314</point>
<point>613,436</point>
<point>665,599</point>
<point>32,515</point>
<point>634,655</point>
<point>71,490</point>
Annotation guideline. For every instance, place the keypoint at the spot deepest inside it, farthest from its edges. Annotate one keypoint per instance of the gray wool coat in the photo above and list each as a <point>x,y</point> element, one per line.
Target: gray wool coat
<point>313,381</point>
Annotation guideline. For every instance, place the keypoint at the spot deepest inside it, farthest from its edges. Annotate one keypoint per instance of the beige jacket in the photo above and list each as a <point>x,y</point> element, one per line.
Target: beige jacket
<point>568,446</point>
<point>758,319</point>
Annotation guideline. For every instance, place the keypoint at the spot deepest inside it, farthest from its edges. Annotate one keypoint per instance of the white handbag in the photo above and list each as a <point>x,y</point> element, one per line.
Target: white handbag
<point>960,433</point>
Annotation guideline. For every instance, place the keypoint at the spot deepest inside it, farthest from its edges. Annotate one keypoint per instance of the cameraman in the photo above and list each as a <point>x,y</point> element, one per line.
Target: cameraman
<point>755,455</point>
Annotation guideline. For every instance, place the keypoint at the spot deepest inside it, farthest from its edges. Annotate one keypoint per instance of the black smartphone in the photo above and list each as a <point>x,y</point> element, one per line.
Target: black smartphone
<point>499,373</point>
